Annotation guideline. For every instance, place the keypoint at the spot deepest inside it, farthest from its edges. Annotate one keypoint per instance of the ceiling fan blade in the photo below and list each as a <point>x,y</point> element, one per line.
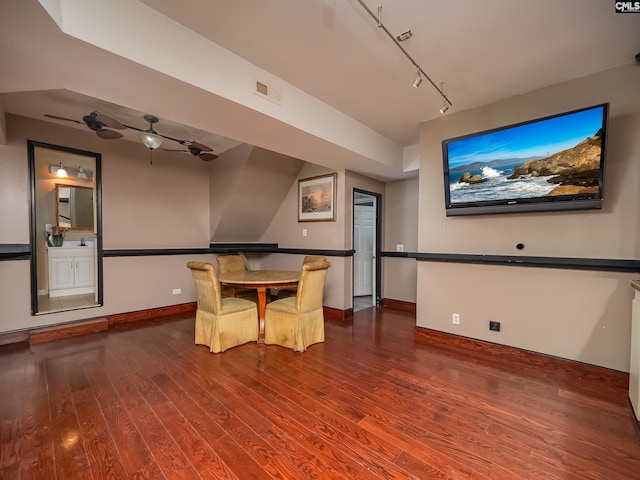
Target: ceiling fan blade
<point>207,157</point>
<point>201,147</point>
<point>63,118</point>
<point>109,122</point>
<point>109,134</point>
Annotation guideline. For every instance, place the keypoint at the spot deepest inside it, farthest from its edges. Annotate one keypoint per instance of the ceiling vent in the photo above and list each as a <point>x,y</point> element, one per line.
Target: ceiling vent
<point>267,92</point>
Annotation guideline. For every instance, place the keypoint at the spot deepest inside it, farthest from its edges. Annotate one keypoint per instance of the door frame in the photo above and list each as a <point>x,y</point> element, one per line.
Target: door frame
<point>377,290</point>
<point>35,257</point>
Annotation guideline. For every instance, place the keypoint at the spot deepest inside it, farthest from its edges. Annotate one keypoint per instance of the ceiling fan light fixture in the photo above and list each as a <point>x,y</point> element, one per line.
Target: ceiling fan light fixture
<point>61,173</point>
<point>150,139</point>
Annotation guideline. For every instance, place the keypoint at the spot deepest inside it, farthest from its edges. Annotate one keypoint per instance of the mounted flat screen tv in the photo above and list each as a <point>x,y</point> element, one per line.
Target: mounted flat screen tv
<point>551,163</point>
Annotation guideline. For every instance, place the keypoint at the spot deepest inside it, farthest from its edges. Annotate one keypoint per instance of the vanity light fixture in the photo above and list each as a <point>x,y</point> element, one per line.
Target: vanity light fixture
<point>80,173</point>
<point>61,173</point>
<point>396,41</point>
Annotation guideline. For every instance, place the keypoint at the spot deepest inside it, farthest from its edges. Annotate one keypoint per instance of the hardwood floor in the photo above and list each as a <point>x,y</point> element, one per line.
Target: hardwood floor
<point>375,401</point>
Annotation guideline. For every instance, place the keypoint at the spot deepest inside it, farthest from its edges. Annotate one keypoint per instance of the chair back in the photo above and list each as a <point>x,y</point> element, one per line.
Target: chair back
<point>312,259</point>
<point>232,263</point>
<point>311,286</point>
<point>207,287</point>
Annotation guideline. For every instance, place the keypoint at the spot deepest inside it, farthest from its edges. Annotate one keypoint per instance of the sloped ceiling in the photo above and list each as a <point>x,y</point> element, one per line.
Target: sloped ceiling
<point>345,92</point>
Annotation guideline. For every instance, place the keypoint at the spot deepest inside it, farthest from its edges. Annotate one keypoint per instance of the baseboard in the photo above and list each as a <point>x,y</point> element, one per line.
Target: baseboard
<point>58,332</point>
<point>83,327</point>
<point>508,354</point>
<point>400,305</point>
<point>94,325</point>
<point>14,337</point>
<point>337,316</point>
<point>151,313</point>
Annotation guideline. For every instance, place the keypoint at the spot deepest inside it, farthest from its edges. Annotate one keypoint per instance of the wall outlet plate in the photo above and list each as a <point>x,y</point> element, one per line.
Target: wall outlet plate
<point>177,291</point>
<point>455,317</point>
<point>494,326</point>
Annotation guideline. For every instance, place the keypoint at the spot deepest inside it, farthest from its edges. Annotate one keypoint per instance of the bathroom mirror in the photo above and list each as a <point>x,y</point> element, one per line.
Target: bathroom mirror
<point>66,274</point>
<point>74,207</point>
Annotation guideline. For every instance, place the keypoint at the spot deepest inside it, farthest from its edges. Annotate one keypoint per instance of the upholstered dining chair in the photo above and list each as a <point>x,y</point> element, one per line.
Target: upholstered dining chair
<point>221,323</point>
<point>297,322</point>
<point>291,292</point>
<point>235,263</point>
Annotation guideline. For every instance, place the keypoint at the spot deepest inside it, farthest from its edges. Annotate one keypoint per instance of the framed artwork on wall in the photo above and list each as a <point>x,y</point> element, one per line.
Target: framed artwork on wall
<point>317,198</point>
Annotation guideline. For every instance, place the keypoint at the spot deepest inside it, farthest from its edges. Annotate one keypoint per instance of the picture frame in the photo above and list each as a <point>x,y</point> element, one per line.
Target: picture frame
<point>317,198</point>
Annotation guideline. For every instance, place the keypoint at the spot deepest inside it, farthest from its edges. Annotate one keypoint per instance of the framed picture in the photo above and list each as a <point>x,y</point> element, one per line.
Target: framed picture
<point>317,199</point>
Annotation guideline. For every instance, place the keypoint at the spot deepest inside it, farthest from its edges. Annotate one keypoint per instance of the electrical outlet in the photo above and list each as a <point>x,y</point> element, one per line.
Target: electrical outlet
<point>177,291</point>
<point>304,232</point>
<point>494,326</point>
<point>456,318</point>
<point>399,248</point>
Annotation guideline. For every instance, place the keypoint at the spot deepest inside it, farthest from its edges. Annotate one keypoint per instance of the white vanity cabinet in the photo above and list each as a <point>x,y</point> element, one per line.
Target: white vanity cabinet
<point>71,270</point>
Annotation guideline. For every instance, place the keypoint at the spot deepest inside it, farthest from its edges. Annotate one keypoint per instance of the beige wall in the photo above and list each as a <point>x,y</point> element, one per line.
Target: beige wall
<point>287,232</point>
<point>401,227</point>
<point>173,203</point>
<point>578,315</point>
<point>164,205</point>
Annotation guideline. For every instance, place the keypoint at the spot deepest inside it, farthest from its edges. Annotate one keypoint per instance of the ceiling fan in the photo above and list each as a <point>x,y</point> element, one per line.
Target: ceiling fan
<point>99,123</point>
<point>196,149</point>
<point>103,125</point>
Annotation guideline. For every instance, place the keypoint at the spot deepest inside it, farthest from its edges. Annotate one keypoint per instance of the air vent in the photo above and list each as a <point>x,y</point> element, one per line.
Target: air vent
<point>267,92</point>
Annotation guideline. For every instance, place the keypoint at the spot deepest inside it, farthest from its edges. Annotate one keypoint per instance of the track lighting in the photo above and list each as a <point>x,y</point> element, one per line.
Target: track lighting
<point>61,173</point>
<point>416,83</point>
<point>404,35</point>
<point>396,40</point>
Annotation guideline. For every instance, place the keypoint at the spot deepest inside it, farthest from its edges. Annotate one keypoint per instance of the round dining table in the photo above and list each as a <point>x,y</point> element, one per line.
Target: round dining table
<point>261,280</point>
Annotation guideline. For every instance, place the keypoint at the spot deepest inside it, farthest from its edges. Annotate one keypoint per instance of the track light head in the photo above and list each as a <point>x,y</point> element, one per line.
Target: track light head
<point>404,35</point>
<point>444,108</point>
<point>416,83</point>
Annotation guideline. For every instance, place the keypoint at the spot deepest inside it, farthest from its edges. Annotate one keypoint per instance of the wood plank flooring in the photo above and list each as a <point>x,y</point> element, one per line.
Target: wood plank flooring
<point>375,401</point>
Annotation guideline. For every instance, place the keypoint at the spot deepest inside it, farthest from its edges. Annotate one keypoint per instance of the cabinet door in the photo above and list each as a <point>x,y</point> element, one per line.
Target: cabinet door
<point>84,272</point>
<point>61,273</point>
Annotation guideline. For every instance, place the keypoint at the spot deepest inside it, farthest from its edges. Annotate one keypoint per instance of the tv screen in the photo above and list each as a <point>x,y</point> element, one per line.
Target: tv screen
<point>551,163</point>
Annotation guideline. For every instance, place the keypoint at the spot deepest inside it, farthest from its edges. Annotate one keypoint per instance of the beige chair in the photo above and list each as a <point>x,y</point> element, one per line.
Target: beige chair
<point>221,323</point>
<point>298,322</point>
<point>291,292</point>
<point>235,263</point>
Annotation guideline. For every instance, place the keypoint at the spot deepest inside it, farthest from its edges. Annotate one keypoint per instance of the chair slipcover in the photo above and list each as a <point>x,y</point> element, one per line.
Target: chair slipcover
<point>235,263</point>
<point>292,292</point>
<point>298,322</point>
<point>221,323</point>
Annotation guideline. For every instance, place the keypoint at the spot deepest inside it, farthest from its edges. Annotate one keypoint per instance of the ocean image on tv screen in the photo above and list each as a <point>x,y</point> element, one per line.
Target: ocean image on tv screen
<point>550,157</point>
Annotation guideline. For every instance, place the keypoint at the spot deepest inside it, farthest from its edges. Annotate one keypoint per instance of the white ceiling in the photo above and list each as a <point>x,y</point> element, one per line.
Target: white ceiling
<point>481,51</point>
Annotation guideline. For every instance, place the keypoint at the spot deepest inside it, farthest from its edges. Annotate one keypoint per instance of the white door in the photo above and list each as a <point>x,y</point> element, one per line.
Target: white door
<point>364,226</point>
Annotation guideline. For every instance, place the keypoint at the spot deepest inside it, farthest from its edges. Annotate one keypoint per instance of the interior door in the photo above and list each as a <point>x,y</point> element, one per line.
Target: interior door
<point>364,224</point>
